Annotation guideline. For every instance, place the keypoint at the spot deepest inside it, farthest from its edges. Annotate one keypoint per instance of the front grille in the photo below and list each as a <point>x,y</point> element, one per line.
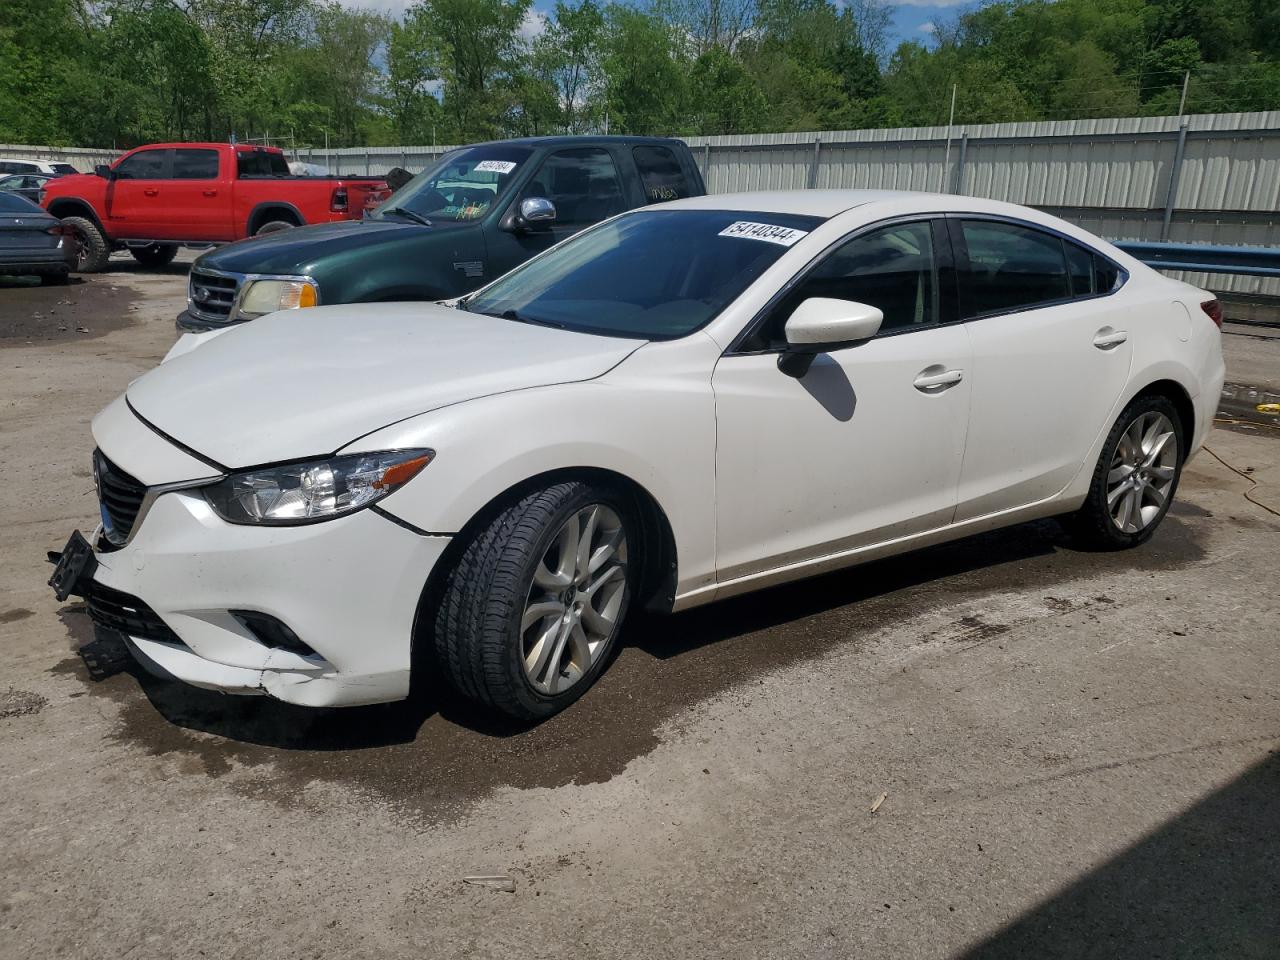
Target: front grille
<point>210,296</point>
<point>120,497</point>
<point>126,614</point>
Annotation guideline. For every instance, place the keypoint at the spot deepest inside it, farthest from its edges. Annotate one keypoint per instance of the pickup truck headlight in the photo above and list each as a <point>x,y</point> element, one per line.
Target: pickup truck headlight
<point>268,296</point>
<point>309,492</point>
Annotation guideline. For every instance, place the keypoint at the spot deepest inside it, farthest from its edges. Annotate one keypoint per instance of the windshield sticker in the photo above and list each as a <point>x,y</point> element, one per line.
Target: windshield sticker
<point>495,166</point>
<point>768,232</point>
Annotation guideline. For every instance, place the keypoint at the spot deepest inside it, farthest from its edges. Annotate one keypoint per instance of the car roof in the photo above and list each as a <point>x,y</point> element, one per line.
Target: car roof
<point>580,141</point>
<point>813,203</point>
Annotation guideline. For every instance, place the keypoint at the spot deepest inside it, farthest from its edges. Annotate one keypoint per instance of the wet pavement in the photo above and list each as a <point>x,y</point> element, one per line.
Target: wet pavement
<point>1056,732</point>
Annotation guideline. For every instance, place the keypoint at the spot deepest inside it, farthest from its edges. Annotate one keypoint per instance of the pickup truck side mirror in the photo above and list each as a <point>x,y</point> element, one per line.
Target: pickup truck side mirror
<point>822,324</point>
<point>103,171</point>
<point>531,213</point>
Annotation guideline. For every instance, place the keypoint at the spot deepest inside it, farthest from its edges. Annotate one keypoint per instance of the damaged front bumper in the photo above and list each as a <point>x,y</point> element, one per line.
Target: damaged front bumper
<point>189,592</point>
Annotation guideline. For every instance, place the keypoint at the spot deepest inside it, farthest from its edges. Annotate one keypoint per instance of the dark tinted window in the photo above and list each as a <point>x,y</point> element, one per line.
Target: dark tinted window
<point>892,269</point>
<point>144,165</point>
<point>261,163</point>
<point>1106,274</point>
<point>17,166</point>
<point>1011,267</point>
<point>1080,267</point>
<point>653,274</point>
<point>12,204</point>
<point>195,164</point>
<point>583,184</point>
<point>64,169</point>
<point>661,174</point>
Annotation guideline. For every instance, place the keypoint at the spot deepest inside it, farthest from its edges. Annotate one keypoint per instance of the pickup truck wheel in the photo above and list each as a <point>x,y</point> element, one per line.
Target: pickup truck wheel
<point>274,226</point>
<point>155,255</point>
<point>94,249</point>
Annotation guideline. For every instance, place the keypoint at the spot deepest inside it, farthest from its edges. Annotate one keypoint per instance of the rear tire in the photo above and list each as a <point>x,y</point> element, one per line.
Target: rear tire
<point>274,226</point>
<point>523,626</point>
<point>1136,477</point>
<point>155,255</point>
<point>94,249</point>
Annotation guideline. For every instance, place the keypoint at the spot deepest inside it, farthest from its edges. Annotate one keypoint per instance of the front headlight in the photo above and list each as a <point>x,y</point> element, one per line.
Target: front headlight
<point>268,296</point>
<point>318,490</point>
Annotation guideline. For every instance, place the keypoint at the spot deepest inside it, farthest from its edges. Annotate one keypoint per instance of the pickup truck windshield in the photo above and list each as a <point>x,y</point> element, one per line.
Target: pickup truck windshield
<point>653,275</point>
<point>464,185</point>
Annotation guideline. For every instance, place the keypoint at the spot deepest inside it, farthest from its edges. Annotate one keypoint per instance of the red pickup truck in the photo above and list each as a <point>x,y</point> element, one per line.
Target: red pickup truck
<point>157,198</point>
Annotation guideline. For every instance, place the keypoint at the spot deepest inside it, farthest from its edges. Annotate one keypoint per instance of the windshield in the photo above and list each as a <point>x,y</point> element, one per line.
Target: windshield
<point>464,185</point>
<point>650,274</point>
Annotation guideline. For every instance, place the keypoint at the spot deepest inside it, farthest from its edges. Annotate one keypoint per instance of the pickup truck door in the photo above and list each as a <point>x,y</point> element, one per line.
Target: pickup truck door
<point>584,185</point>
<point>135,195</point>
<point>197,196</point>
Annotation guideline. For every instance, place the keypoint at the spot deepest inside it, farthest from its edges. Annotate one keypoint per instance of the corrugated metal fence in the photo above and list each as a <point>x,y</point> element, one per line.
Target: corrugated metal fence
<point>1211,178</point>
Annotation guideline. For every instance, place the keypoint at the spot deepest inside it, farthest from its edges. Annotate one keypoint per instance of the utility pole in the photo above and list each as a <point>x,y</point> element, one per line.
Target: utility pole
<point>1182,104</point>
<point>951,122</point>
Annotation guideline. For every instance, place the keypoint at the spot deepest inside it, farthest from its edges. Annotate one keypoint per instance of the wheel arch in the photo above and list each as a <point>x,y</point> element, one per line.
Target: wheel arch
<point>61,207</point>
<point>269,210</point>
<point>1179,396</point>
<point>658,554</point>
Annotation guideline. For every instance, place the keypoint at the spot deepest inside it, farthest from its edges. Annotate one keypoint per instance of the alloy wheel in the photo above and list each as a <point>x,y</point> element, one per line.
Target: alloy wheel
<point>1142,472</point>
<point>578,590</point>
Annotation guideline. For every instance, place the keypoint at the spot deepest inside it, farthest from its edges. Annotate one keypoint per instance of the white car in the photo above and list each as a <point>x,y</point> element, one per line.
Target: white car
<point>678,405</point>
<point>52,168</point>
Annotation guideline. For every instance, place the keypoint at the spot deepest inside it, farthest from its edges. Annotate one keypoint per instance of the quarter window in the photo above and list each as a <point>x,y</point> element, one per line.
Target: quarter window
<point>661,174</point>
<point>583,184</point>
<point>195,164</point>
<point>892,268</point>
<point>1011,268</point>
<point>144,165</point>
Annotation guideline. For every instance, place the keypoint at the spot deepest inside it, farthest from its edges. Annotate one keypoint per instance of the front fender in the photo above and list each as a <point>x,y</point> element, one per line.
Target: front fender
<point>660,436</point>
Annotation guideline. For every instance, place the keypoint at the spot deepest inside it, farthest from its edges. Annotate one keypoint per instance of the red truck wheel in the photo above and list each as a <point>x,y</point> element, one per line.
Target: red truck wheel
<point>274,226</point>
<point>94,250</point>
<point>155,255</point>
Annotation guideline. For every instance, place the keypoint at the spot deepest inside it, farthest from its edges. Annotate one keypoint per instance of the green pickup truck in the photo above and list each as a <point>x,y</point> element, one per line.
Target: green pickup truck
<point>474,215</point>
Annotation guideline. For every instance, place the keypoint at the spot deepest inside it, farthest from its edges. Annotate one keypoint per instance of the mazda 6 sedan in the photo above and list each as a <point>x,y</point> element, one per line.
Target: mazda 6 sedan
<point>678,405</point>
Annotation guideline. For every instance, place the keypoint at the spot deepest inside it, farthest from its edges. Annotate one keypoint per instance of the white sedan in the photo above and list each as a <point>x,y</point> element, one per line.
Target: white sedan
<point>678,405</point>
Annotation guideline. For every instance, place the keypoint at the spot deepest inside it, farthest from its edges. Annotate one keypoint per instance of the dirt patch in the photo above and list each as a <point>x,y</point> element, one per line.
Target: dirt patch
<point>431,757</point>
<point>20,703</point>
<point>83,309</point>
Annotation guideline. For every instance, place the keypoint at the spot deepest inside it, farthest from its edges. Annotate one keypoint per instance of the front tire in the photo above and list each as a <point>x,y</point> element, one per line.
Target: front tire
<point>1136,476</point>
<point>94,249</point>
<point>155,255</point>
<point>529,616</point>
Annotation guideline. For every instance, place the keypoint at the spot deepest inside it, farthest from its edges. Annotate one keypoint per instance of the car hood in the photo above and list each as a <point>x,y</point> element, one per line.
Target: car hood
<point>297,251</point>
<point>304,383</point>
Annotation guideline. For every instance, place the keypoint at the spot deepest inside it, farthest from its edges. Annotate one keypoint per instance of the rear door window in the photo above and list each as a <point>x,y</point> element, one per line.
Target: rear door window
<point>661,174</point>
<point>1011,267</point>
<point>144,165</point>
<point>191,164</point>
<point>260,163</point>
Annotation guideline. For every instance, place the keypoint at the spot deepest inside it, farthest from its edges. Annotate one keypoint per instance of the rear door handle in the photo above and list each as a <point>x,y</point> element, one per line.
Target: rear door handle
<point>935,379</point>
<point>1106,338</point>
<point>210,193</point>
<point>150,192</point>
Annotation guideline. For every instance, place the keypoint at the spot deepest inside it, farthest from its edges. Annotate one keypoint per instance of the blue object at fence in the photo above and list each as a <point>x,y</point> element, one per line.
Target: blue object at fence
<point>1205,258</point>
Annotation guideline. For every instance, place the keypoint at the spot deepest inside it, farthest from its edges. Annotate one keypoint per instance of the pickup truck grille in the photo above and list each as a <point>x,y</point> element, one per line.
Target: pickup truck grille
<point>211,296</point>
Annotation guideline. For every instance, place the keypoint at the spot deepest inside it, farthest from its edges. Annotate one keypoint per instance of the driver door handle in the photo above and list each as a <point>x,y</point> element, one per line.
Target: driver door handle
<point>1106,338</point>
<point>210,193</point>
<point>931,381</point>
<point>150,192</point>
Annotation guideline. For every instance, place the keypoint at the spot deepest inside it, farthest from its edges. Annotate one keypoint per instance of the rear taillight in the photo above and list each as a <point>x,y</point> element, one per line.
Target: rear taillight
<point>60,230</point>
<point>1213,310</point>
<point>338,204</point>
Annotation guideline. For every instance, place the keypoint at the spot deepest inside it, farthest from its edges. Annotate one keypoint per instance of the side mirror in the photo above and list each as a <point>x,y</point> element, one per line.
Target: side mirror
<point>103,171</point>
<point>537,210</point>
<point>821,324</point>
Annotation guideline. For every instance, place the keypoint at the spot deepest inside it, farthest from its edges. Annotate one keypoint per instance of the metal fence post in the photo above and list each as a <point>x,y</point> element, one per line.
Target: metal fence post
<point>957,183</point>
<point>1175,174</point>
<point>813,164</point>
<point>368,164</point>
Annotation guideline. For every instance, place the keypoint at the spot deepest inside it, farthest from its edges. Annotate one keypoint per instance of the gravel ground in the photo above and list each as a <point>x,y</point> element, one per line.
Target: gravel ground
<point>1073,755</point>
